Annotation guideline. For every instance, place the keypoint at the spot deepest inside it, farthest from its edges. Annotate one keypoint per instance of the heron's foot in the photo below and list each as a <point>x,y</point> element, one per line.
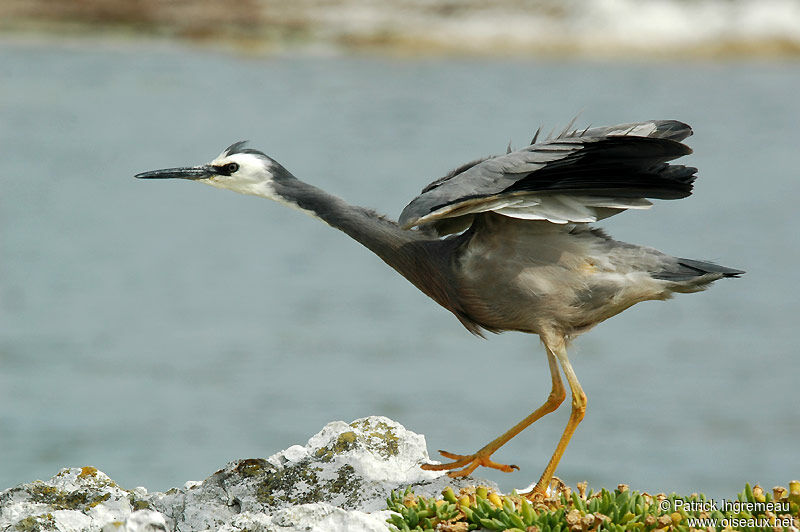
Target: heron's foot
<point>554,488</point>
<point>470,462</point>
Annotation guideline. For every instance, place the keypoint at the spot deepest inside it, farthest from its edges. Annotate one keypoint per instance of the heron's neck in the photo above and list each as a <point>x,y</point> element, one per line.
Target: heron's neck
<point>420,258</point>
<point>380,235</point>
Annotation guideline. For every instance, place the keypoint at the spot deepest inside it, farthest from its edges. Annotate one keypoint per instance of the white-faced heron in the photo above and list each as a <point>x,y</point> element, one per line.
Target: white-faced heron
<point>504,242</point>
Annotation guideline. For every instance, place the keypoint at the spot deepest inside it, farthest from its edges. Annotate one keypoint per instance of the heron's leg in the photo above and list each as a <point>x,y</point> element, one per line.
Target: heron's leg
<point>481,458</point>
<point>575,417</point>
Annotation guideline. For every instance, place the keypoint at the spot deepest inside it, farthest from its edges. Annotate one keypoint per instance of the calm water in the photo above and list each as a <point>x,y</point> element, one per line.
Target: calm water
<point>157,330</point>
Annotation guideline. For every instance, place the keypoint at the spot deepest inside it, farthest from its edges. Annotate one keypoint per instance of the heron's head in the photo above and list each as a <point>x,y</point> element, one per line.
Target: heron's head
<point>237,168</point>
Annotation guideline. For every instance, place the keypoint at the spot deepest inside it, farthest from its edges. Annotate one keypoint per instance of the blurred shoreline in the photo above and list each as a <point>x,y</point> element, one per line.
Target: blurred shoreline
<point>595,29</point>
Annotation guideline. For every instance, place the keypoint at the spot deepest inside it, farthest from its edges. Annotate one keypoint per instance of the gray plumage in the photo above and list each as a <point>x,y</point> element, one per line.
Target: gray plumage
<point>504,242</point>
<point>597,164</point>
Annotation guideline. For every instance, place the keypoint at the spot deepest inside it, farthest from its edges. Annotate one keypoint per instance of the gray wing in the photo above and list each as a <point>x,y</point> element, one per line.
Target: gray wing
<point>578,176</point>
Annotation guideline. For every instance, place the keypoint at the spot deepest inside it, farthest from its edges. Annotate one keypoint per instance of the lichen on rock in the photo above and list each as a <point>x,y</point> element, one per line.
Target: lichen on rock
<point>339,480</point>
<point>72,500</point>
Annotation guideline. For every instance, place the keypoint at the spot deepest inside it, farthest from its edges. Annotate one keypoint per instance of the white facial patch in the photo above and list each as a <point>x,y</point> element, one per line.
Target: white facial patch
<point>253,177</point>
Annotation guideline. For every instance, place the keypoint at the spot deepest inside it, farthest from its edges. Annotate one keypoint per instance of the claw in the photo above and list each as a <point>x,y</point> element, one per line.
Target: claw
<point>471,461</point>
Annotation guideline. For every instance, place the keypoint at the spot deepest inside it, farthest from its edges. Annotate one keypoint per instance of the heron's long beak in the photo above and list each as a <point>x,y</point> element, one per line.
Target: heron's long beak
<point>189,172</point>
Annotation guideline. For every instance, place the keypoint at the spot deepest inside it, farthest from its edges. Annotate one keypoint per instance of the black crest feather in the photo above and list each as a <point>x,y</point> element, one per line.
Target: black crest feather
<point>239,147</point>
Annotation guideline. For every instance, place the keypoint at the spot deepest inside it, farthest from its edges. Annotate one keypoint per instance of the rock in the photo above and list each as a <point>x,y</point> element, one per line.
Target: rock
<point>139,521</point>
<point>74,499</point>
<point>338,481</point>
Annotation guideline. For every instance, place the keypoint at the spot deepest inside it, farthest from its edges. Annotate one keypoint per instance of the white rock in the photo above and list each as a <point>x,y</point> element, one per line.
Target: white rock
<point>139,521</point>
<point>339,480</point>
<point>71,520</point>
<point>74,499</point>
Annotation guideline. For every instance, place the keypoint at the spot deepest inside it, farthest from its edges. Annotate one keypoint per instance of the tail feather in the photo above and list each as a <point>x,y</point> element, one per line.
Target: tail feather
<point>690,270</point>
<point>703,267</point>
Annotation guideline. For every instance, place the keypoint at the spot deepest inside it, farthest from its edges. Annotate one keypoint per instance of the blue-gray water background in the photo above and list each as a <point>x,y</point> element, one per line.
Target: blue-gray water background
<point>156,330</point>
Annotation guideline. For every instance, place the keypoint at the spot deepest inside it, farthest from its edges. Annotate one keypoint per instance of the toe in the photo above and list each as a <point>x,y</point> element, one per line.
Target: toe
<point>454,456</point>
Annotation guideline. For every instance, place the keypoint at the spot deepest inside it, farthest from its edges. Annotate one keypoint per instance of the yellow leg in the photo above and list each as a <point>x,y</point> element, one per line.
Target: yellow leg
<point>575,417</point>
<point>481,458</point>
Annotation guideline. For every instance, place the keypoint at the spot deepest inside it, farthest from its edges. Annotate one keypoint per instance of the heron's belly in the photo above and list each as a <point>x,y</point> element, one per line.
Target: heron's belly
<point>537,277</point>
<point>537,297</point>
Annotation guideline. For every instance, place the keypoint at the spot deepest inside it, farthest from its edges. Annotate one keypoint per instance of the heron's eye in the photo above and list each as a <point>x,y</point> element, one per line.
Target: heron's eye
<point>231,168</point>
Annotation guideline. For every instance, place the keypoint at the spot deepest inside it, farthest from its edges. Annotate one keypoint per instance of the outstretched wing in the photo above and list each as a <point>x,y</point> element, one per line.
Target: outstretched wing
<point>578,176</point>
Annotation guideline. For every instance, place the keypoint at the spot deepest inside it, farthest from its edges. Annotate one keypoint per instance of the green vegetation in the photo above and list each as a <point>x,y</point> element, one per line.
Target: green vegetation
<point>582,510</point>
